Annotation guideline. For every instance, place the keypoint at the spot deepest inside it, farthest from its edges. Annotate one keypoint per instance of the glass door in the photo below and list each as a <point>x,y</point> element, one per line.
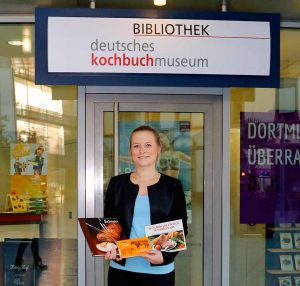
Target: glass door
<point>186,132</point>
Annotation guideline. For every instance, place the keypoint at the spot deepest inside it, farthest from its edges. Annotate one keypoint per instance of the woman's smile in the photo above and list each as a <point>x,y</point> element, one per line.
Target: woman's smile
<point>144,149</point>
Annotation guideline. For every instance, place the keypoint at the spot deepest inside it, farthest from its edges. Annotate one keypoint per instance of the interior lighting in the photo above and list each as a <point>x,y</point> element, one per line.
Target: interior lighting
<point>160,2</point>
<point>27,46</point>
<point>15,43</point>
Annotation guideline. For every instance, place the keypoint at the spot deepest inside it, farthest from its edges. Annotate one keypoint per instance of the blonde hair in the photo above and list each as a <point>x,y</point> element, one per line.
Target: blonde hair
<point>146,128</point>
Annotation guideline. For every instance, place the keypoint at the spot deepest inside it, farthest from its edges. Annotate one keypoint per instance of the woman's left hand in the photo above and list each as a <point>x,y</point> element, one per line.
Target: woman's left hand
<point>153,256</point>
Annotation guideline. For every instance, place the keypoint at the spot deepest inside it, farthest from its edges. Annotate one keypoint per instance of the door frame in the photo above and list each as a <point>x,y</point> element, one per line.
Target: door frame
<point>87,96</point>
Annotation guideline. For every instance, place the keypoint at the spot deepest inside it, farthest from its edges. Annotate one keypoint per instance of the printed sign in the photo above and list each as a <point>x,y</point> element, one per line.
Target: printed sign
<point>270,167</point>
<point>144,45</point>
<point>28,176</point>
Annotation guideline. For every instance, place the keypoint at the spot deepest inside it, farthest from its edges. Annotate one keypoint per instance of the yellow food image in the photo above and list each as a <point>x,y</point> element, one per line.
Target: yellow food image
<point>134,246</point>
<point>106,246</point>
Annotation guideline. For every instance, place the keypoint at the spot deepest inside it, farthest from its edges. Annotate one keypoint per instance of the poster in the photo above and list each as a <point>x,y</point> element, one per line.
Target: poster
<point>175,159</point>
<point>28,159</point>
<point>28,176</point>
<point>269,167</point>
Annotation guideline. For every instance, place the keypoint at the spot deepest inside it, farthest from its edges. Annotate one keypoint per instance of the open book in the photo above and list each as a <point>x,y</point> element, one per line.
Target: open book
<point>167,236</point>
<point>105,234</point>
<point>101,234</point>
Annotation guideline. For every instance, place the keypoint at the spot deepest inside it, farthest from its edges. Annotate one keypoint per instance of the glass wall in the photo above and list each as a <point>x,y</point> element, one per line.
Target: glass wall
<point>265,165</point>
<point>38,170</point>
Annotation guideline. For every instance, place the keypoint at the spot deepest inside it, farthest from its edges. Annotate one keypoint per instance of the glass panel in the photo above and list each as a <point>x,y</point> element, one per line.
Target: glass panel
<point>38,153</point>
<point>265,210</point>
<point>182,136</point>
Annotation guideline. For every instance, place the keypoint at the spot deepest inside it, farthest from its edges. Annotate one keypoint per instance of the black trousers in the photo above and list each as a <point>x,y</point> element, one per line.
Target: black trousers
<point>34,249</point>
<point>118,277</point>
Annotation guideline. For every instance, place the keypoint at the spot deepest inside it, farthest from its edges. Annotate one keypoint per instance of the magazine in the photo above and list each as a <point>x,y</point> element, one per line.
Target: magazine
<point>168,236</point>
<point>101,234</point>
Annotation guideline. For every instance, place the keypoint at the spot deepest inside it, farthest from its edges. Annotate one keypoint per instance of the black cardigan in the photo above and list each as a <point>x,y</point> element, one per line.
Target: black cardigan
<point>167,202</point>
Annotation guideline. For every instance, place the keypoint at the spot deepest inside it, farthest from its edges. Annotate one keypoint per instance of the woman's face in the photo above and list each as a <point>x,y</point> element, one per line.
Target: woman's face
<point>144,149</point>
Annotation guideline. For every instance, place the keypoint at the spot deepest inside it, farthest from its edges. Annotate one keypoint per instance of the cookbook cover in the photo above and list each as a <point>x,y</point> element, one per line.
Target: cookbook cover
<point>101,234</point>
<point>133,247</point>
<point>168,236</point>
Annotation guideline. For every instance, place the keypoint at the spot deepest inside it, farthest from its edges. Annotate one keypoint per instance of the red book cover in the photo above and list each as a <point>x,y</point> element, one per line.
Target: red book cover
<point>101,234</point>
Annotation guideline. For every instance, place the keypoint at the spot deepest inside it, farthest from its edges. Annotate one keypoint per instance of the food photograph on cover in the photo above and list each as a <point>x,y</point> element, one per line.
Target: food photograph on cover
<point>168,236</point>
<point>172,241</point>
<point>133,247</point>
<point>101,234</point>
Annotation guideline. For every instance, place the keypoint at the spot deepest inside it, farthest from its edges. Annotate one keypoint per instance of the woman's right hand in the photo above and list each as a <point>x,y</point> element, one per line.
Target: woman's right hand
<point>112,255</point>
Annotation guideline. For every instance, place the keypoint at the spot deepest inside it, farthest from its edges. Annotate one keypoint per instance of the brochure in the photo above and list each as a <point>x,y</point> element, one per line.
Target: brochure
<point>285,281</point>
<point>168,236</point>
<point>133,247</point>
<point>286,263</point>
<point>101,234</point>
<point>297,281</point>
<point>297,261</point>
<point>286,240</point>
<point>297,239</point>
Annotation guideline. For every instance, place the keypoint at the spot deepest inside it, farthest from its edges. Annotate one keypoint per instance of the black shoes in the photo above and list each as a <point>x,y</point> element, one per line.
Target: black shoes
<point>39,265</point>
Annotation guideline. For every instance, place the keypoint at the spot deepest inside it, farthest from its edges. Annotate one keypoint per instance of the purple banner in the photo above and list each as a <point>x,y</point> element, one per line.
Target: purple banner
<point>269,167</point>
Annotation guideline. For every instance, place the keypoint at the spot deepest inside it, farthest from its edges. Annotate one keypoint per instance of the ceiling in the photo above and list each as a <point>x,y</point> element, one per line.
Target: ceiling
<point>289,9</point>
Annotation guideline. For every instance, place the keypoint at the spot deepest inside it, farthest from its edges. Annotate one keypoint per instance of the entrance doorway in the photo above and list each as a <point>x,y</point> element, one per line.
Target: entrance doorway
<point>190,131</point>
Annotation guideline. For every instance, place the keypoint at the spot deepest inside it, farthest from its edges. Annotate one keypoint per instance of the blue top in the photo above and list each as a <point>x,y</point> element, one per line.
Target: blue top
<point>141,218</point>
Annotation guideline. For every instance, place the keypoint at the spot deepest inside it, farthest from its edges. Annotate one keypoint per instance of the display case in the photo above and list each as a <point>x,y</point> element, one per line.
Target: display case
<point>282,255</point>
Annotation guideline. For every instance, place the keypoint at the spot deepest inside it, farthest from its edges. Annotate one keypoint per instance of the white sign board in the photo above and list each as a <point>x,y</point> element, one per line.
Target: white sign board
<point>159,46</point>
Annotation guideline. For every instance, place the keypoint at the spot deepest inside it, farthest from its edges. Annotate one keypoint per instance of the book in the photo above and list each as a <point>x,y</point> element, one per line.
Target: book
<point>297,281</point>
<point>286,263</point>
<point>297,261</point>
<point>285,225</point>
<point>297,239</point>
<point>105,234</point>
<point>133,247</point>
<point>101,234</point>
<point>167,236</point>
<point>286,240</point>
<point>285,281</point>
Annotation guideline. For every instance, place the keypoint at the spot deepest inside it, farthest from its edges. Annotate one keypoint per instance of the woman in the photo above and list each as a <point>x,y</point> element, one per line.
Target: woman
<point>141,198</point>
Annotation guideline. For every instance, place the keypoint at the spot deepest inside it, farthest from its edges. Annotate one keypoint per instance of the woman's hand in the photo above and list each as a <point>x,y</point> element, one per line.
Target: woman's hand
<point>112,255</point>
<point>153,256</point>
